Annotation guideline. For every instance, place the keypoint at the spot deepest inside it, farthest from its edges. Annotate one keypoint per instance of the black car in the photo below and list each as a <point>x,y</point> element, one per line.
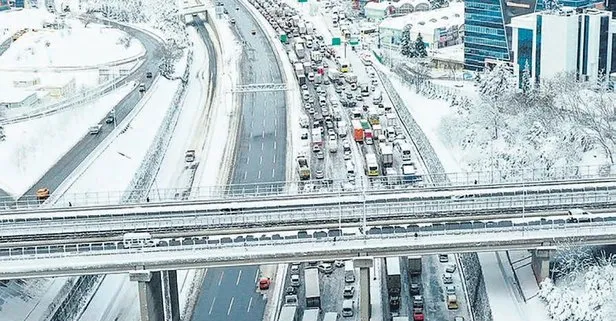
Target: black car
<point>148,74</point>
<point>291,290</point>
<point>254,32</point>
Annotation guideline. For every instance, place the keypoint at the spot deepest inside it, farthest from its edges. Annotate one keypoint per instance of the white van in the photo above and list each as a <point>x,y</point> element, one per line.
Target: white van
<point>347,308</point>
<point>350,167</point>
<point>377,97</point>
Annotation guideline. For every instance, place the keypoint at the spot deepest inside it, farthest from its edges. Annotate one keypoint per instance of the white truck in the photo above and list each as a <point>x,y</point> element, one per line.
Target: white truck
<point>300,51</point>
<point>351,78</point>
<point>342,129</point>
<point>316,56</point>
<point>302,28</point>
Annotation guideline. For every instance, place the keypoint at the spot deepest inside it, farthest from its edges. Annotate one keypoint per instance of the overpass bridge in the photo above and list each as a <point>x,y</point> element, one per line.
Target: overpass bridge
<point>177,219</point>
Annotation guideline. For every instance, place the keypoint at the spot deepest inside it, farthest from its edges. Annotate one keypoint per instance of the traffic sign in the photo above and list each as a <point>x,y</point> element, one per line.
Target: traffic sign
<point>336,42</point>
<point>301,1</point>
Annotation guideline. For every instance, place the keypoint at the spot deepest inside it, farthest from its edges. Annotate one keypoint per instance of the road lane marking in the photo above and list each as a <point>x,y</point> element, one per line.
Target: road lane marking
<point>274,158</point>
<point>221,276</point>
<point>260,159</point>
<point>273,173</point>
<point>274,145</point>
<point>249,303</point>
<point>212,306</point>
<point>230,305</point>
<point>256,276</point>
<point>247,160</point>
<point>245,173</point>
<point>249,147</point>
<point>262,146</point>
<point>275,132</point>
<point>239,275</point>
<point>259,176</point>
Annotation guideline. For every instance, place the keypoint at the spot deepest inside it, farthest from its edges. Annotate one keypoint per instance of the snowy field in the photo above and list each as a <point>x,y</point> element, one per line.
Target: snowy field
<point>64,48</point>
<point>14,20</point>
<point>34,146</point>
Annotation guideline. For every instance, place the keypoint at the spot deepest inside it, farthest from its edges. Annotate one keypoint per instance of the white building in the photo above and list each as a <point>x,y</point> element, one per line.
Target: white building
<point>381,10</point>
<point>439,28</point>
<point>16,98</point>
<point>565,41</point>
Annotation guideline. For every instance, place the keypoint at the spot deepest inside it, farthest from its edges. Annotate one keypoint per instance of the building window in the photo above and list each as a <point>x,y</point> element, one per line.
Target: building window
<point>603,45</point>
<point>538,50</point>
<point>525,50</point>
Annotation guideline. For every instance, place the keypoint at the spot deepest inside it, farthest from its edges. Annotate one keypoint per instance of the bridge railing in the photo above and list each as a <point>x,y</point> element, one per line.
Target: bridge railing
<point>16,228</point>
<point>457,180</point>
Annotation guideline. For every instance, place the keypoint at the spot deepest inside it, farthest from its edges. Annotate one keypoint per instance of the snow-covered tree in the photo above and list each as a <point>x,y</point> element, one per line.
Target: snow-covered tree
<point>420,47</point>
<point>436,4</point>
<point>525,79</point>
<point>406,44</point>
<point>552,5</point>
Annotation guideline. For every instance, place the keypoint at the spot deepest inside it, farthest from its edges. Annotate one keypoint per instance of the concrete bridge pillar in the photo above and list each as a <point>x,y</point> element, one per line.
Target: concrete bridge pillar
<point>364,265</point>
<point>541,262</point>
<point>158,295</point>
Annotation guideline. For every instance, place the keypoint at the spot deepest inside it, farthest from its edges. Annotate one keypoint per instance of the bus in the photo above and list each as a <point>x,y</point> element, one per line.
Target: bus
<point>344,66</point>
<point>372,166</point>
<point>313,291</point>
<point>138,240</point>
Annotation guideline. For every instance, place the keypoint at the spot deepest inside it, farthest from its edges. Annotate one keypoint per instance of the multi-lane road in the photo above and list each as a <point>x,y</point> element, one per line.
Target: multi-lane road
<point>65,166</point>
<point>230,293</point>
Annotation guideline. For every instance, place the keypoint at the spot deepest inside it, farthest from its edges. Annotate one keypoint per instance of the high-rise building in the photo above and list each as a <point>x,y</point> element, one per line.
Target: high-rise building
<point>487,37</point>
<point>551,42</point>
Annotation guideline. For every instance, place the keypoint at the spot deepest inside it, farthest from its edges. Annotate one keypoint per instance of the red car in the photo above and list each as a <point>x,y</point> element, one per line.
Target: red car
<point>264,284</point>
<point>418,315</point>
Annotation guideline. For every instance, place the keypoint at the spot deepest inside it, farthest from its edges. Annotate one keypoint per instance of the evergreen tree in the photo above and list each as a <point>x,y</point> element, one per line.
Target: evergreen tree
<point>526,79</point>
<point>406,45</point>
<point>420,47</point>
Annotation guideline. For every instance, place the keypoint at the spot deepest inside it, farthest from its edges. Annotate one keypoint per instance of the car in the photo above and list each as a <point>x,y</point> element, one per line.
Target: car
<point>349,95</point>
<point>311,100</point>
<point>295,280</point>
<point>450,268</point>
<point>329,124</point>
<point>320,155</point>
<point>339,263</point>
<point>232,21</point>
<point>415,289</point>
<point>577,215</point>
<point>349,291</point>
<point>359,98</point>
<point>418,301</point>
<point>316,148</point>
<point>347,155</point>
<point>450,290</point>
<point>311,110</point>
<point>458,319</point>
<point>290,290</point>
<point>148,74</point>
<point>237,8</point>
<point>333,137</point>
<point>443,258</point>
<point>264,283</point>
<point>447,278</point>
<point>311,76</point>
<point>418,314</point>
<point>331,132</point>
<point>326,268</point>
<point>304,135</point>
<point>42,194</point>
<point>304,87</point>
<point>141,87</point>
<point>319,174</point>
<point>338,90</point>
<point>226,11</point>
<point>295,269</point>
<point>325,112</point>
<point>254,32</point>
<point>110,119</point>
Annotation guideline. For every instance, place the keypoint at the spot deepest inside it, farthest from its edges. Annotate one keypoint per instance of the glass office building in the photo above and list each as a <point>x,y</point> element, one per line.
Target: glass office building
<point>487,38</point>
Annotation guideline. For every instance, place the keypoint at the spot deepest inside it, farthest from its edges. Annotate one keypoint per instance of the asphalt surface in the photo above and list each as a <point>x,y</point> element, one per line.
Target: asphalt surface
<point>65,166</point>
<point>260,157</point>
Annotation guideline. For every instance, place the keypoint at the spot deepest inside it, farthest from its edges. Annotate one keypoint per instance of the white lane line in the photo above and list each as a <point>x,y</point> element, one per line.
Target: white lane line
<point>259,176</point>
<point>239,275</point>
<point>260,159</point>
<point>262,146</point>
<point>245,173</point>
<point>249,147</point>
<point>256,276</point>
<point>263,134</point>
<point>274,145</point>
<point>247,160</point>
<point>212,306</point>
<point>275,132</point>
<point>249,304</point>
<point>274,158</point>
<point>273,173</point>
<point>222,274</point>
<point>230,305</point>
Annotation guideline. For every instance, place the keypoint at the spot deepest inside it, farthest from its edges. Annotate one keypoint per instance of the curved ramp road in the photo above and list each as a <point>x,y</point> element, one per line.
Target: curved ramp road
<point>230,294</point>
<point>65,166</point>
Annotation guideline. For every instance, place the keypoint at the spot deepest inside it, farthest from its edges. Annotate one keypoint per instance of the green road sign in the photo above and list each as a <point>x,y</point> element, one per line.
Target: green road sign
<point>336,42</point>
<point>300,1</point>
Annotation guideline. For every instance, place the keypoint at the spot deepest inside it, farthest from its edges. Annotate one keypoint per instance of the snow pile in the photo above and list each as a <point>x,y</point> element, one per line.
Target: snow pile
<point>32,147</point>
<point>15,20</point>
<point>64,47</point>
<point>585,294</point>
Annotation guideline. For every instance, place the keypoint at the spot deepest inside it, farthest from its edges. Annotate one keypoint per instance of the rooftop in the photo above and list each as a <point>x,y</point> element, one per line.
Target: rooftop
<point>444,17</point>
<point>384,5</point>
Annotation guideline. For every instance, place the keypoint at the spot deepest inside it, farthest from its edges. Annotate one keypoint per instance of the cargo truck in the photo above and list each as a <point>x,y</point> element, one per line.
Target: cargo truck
<point>316,56</point>
<point>300,51</point>
<point>377,130</point>
<point>317,137</point>
<point>358,130</point>
<point>349,272</point>
<point>415,265</point>
<point>288,313</point>
<point>303,168</point>
<point>313,291</point>
<point>392,265</point>
<point>307,67</point>
<point>409,174</point>
<point>387,154</point>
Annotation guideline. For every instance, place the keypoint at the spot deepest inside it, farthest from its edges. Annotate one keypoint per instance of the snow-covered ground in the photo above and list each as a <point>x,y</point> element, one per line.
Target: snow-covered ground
<point>49,48</point>
<point>29,300</point>
<point>32,147</point>
<point>15,20</point>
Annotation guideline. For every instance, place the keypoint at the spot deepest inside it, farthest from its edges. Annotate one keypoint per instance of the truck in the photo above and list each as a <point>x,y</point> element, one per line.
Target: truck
<point>415,265</point>
<point>316,56</point>
<point>452,302</point>
<point>309,28</point>
<point>392,265</point>
<point>300,51</point>
<point>377,130</point>
<point>317,137</point>
<point>307,67</point>
<point>288,313</point>
<point>302,28</point>
<point>311,315</point>
<point>189,156</point>
<point>302,168</point>
<point>387,154</point>
<point>405,151</point>
<point>351,78</point>
<point>299,68</point>
<point>409,174</point>
<point>313,291</point>
<point>358,130</point>
<point>368,137</point>
<point>333,75</point>
<point>349,272</point>
<point>342,129</point>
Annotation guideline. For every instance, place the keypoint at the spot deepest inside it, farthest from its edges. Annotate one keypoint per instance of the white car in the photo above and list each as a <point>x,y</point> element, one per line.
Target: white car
<point>311,76</point>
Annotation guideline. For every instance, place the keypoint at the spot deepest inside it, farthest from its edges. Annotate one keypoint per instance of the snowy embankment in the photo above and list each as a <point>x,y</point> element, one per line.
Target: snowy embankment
<point>15,20</point>
<point>32,147</point>
<point>48,48</point>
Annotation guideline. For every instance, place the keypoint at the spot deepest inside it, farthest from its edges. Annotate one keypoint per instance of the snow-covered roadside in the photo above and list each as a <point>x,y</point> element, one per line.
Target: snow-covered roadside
<point>31,300</point>
<point>32,147</point>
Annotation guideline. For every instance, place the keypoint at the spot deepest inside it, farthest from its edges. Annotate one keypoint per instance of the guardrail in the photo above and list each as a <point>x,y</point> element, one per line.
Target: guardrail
<point>304,217</point>
<point>112,258</point>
